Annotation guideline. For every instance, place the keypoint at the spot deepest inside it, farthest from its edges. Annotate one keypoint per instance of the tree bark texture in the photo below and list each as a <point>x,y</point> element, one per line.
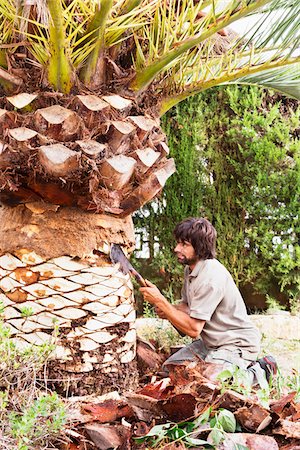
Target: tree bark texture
<point>58,285</point>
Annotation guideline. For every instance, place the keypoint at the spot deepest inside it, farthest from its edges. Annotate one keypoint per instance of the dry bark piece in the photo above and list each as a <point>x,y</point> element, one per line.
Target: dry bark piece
<point>147,357</point>
<point>58,123</point>
<point>146,408</point>
<point>108,410</point>
<point>117,171</point>
<point>19,101</point>
<point>232,400</point>
<point>58,160</point>
<point>250,441</point>
<point>92,148</point>
<point>288,429</point>
<point>107,436</point>
<point>279,405</point>
<point>253,418</point>
<point>180,407</point>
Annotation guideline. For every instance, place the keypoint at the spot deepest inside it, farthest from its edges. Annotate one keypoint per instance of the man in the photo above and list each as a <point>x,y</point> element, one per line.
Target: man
<point>212,310</point>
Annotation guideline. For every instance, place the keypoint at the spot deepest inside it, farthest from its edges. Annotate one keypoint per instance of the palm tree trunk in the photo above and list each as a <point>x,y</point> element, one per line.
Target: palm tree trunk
<point>56,276</point>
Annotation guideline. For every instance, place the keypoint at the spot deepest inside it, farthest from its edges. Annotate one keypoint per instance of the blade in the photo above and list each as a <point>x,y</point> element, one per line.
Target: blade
<point>117,256</point>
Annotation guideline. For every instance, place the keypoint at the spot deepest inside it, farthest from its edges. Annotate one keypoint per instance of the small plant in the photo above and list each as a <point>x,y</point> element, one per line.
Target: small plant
<point>31,417</point>
<point>215,425</point>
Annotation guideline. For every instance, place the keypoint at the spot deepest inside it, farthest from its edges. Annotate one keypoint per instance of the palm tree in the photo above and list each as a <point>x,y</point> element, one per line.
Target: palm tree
<point>83,86</point>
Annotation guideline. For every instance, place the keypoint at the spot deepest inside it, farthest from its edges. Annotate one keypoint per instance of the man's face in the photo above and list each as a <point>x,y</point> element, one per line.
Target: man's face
<point>185,253</point>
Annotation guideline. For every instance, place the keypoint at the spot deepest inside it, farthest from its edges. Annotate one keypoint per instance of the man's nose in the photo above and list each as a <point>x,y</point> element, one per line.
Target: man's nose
<point>177,248</point>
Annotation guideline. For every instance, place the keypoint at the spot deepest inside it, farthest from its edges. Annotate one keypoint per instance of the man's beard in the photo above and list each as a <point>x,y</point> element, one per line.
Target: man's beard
<point>187,261</point>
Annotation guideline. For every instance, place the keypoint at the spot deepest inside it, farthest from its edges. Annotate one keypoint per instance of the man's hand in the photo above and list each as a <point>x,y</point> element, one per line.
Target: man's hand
<point>151,293</point>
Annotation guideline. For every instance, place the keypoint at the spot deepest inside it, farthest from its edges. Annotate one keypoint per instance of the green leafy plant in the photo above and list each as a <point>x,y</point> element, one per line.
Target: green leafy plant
<point>31,417</point>
<point>215,425</point>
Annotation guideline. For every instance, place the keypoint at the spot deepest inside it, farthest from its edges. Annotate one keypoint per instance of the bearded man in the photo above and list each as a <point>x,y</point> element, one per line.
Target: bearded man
<point>212,310</point>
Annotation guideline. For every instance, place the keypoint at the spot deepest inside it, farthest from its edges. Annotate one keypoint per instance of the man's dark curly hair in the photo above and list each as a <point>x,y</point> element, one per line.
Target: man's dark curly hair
<point>200,233</point>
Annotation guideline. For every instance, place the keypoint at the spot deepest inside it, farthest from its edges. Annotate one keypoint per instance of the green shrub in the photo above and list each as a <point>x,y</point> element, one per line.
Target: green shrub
<point>31,417</point>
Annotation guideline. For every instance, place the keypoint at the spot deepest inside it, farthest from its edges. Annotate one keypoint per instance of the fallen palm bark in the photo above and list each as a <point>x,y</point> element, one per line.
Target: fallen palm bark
<point>190,405</point>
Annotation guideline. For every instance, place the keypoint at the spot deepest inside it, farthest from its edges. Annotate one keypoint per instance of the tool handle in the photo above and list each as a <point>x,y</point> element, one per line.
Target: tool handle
<point>138,277</point>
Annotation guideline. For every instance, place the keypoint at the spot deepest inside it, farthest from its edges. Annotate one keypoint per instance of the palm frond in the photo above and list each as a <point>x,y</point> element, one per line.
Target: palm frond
<point>283,79</point>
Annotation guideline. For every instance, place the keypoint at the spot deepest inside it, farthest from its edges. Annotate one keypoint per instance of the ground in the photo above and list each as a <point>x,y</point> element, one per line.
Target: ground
<point>280,337</point>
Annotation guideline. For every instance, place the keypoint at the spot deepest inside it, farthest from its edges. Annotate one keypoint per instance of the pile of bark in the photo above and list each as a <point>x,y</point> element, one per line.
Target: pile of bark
<point>114,421</point>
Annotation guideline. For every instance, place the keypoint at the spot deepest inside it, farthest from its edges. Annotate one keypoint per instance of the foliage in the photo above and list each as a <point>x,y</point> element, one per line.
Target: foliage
<point>177,48</point>
<point>31,417</point>
<point>215,424</point>
<point>238,158</point>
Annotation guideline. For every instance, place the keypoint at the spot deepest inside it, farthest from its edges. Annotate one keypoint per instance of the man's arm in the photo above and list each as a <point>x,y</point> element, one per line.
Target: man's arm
<point>178,316</point>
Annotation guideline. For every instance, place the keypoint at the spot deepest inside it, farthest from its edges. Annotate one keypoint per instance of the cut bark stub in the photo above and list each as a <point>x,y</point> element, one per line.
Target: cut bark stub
<point>163,148</point>
<point>117,171</point>
<point>117,102</point>
<point>108,410</point>
<point>146,158</point>
<point>144,126</point>
<point>58,123</point>
<point>118,133</point>
<point>149,188</point>
<point>58,160</point>
<point>22,134</point>
<point>92,102</point>
<point>19,101</point>
<point>92,148</point>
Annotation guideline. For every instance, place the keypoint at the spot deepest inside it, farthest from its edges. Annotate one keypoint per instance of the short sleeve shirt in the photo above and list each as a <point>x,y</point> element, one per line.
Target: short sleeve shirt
<point>212,295</point>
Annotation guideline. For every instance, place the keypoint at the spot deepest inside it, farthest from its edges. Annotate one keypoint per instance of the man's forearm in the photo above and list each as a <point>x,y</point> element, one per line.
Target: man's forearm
<point>179,317</point>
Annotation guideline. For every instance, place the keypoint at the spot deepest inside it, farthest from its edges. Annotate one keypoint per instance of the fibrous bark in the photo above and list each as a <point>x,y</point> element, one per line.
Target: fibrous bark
<point>55,264</point>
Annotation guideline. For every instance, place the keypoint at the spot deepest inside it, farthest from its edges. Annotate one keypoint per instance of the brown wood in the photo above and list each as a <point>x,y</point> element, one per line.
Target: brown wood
<point>116,172</point>
<point>149,188</point>
<point>58,160</point>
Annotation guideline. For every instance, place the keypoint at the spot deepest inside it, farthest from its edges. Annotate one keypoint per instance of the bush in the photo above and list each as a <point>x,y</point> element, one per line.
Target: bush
<point>31,417</point>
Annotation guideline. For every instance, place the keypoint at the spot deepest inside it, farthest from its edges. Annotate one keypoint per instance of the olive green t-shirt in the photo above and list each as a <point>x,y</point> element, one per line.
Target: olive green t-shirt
<point>212,295</point>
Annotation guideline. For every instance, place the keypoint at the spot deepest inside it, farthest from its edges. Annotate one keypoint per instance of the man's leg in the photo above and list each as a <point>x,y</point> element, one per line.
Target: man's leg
<point>191,352</point>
